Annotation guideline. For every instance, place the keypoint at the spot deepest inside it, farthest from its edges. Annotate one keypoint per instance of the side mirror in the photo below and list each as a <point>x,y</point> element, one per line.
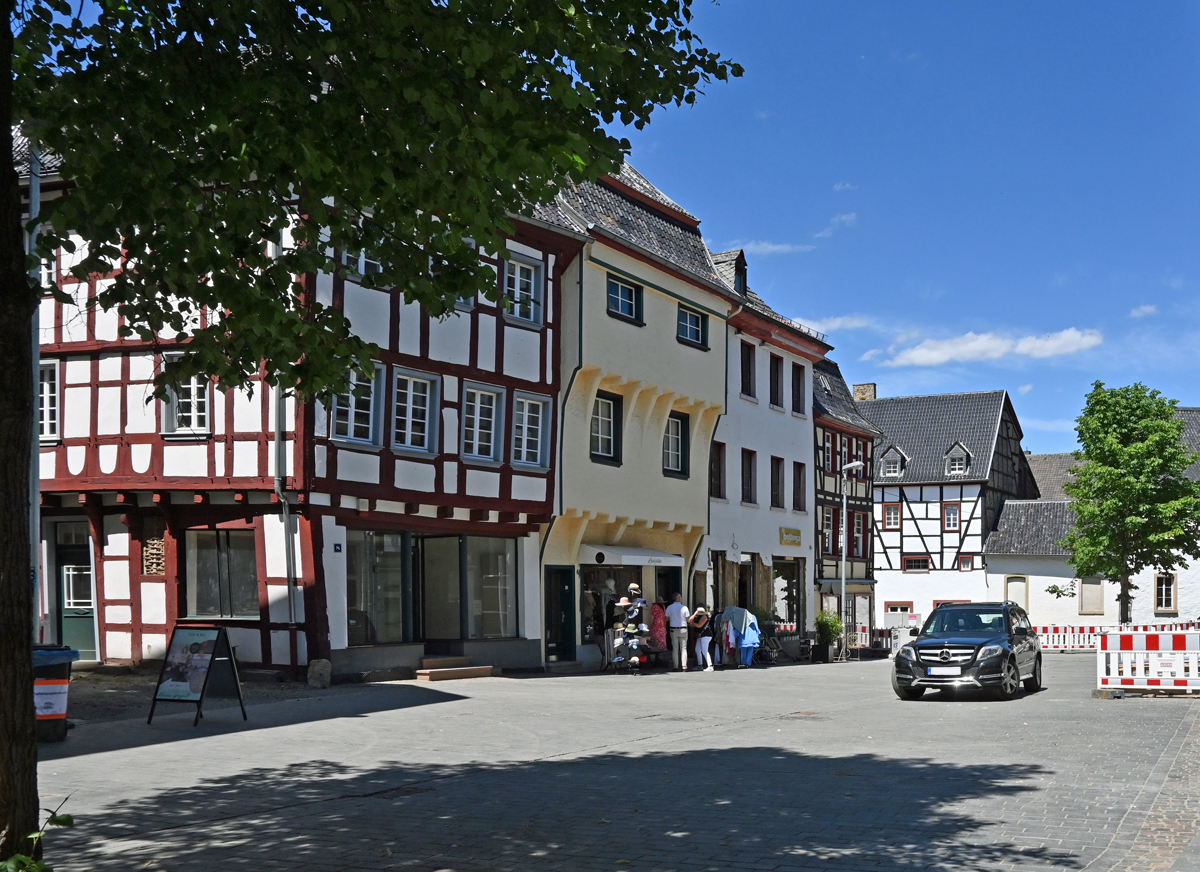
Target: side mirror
<point>1020,631</point>
<point>914,632</point>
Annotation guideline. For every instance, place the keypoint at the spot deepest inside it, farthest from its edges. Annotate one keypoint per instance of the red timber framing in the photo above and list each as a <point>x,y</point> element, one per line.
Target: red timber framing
<point>141,488</point>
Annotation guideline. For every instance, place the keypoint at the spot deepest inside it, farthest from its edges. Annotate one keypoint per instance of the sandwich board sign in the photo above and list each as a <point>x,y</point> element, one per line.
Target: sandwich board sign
<point>199,663</point>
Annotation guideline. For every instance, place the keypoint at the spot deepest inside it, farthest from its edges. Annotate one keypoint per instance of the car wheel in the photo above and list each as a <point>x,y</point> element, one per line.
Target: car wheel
<point>906,692</point>
<point>1034,682</point>
<point>1010,681</point>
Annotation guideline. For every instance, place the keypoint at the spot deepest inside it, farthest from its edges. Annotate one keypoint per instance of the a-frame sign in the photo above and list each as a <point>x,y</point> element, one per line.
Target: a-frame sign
<point>199,663</point>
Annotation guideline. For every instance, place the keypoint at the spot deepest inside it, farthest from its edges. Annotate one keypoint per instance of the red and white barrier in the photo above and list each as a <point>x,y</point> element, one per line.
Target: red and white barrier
<point>1087,638</point>
<point>1128,659</point>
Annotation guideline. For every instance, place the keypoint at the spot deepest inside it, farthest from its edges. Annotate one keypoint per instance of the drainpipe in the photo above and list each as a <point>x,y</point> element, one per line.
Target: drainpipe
<point>285,511</point>
<point>35,514</point>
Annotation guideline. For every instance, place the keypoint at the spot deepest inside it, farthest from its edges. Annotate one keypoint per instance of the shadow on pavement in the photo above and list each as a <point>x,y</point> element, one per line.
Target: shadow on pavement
<point>752,808</point>
<point>173,722</point>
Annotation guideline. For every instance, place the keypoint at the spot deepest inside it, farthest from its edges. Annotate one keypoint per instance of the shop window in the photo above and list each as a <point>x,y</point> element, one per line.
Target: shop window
<point>916,564</point>
<point>491,573</point>
<point>374,587</point>
<point>787,574</point>
<point>222,574</point>
<point>599,590</point>
<point>441,593</point>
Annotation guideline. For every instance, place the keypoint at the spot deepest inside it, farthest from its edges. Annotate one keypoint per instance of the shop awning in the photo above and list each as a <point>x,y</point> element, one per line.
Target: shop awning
<point>624,555</point>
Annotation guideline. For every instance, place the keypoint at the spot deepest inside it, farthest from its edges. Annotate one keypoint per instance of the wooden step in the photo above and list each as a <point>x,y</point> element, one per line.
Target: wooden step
<point>446,662</point>
<point>454,672</point>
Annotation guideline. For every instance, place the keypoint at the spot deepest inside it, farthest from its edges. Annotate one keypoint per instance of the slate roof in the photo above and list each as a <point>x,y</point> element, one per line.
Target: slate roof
<point>1050,473</point>
<point>1031,527</point>
<point>1191,436</point>
<point>51,163</point>
<point>725,263</point>
<point>837,403</point>
<point>924,428</point>
<point>596,207</point>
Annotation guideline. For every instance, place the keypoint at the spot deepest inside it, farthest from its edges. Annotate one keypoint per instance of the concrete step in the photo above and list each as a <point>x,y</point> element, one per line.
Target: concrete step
<point>446,662</point>
<point>561,667</point>
<point>454,672</point>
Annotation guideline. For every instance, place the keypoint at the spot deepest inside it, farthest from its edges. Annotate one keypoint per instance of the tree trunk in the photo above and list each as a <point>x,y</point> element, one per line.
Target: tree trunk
<point>1125,599</point>
<point>18,300</point>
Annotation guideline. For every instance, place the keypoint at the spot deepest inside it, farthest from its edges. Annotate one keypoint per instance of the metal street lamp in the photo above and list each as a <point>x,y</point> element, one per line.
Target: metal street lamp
<point>846,469</point>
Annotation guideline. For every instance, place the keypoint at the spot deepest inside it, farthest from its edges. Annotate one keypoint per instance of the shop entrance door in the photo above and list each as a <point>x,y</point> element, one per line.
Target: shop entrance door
<point>745,583</point>
<point>668,581</point>
<point>560,613</point>
<point>76,597</point>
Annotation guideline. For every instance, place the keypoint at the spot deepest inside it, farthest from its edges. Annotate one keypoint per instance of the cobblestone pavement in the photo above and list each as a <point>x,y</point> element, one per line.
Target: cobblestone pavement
<point>798,767</point>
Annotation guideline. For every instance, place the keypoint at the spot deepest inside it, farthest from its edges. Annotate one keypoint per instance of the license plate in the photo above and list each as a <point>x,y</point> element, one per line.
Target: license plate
<point>945,670</point>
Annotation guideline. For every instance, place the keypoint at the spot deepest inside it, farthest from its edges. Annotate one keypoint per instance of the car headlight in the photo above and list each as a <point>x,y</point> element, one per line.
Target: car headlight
<point>990,651</point>
<point>907,653</point>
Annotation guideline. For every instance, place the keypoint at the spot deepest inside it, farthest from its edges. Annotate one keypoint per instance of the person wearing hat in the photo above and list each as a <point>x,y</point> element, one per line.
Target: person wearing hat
<point>703,625</point>
<point>677,618</point>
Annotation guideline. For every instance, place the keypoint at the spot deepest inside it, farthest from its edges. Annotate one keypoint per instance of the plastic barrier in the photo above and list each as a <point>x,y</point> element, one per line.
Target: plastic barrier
<point>1057,637</point>
<point>1128,659</point>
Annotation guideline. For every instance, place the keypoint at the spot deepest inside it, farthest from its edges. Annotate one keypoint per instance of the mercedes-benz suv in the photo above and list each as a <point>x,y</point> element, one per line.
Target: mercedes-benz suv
<point>970,645</point>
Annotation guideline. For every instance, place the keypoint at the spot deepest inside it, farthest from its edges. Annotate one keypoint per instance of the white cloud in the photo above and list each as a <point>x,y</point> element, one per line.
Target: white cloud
<point>872,354</point>
<point>841,322</point>
<point>762,115</point>
<point>846,220</point>
<point>1067,341</point>
<point>1143,311</point>
<point>1175,282</point>
<point>763,247</point>
<point>1061,426</point>
<point>992,346</point>
<point>1024,389</point>
<point>845,186</point>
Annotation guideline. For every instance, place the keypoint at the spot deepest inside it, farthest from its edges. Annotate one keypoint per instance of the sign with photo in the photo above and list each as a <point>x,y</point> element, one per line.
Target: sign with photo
<point>199,660</point>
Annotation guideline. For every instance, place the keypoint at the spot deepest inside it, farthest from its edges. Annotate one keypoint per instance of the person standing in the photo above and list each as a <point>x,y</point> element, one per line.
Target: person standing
<point>703,626</point>
<point>677,618</point>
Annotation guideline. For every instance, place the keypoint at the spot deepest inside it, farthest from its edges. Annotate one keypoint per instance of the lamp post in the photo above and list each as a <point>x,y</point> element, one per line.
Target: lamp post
<point>846,469</point>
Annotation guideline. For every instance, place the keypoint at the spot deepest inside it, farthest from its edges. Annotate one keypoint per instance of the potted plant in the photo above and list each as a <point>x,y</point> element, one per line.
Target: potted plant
<point>829,630</point>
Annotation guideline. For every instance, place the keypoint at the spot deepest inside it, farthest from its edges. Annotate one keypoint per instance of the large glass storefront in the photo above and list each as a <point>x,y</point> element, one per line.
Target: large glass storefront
<point>412,587</point>
<point>600,587</point>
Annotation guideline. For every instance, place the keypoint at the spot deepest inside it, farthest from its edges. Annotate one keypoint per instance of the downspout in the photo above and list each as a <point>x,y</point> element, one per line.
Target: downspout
<point>285,510</point>
<point>717,423</point>
<point>35,485</point>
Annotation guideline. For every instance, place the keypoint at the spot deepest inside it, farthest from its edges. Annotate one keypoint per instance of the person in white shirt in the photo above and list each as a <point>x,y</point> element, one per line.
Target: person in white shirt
<point>677,620</point>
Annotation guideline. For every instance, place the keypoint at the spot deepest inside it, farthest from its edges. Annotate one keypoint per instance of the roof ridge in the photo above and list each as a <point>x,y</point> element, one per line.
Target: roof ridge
<point>925,396</point>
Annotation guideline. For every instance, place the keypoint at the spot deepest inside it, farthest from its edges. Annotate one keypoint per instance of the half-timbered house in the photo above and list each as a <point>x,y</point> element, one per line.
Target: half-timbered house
<point>842,435</point>
<point>945,464</point>
<point>416,499</point>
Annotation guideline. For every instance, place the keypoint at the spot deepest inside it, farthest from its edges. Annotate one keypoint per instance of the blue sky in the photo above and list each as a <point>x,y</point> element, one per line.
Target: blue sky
<point>964,196</point>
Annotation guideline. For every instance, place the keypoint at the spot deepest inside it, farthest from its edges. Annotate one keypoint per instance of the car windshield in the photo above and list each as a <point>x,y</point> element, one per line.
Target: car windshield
<point>965,621</point>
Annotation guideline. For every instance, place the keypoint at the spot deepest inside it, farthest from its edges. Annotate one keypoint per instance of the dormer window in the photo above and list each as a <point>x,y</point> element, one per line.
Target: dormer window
<point>891,465</point>
<point>956,465</point>
<point>824,383</point>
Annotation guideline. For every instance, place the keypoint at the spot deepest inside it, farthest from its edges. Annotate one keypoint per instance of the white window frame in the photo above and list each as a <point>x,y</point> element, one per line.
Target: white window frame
<point>529,308</point>
<point>520,435</point>
<point>891,466</point>
<point>828,530</point>
<point>432,410</point>
<point>956,460</point>
<point>899,516</point>
<point>49,402</point>
<point>361,263</point>
<point>827,451</point>
<point>673,442</point>
<point>683,326</point>
<point>1171,584</point>
<point>371,410</point>
<point>595,433</point>
<point>200,386</point>
<point>469,439</point>
<point>634,313</point>
<point>860,538</point>
<point>907,557</point>
<point>946,512</point>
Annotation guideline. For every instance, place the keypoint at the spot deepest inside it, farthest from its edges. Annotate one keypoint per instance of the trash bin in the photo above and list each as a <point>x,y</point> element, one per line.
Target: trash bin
<point>51,681</point>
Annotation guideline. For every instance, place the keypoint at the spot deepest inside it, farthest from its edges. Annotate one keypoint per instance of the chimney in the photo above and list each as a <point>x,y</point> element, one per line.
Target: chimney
<point>864,392</point>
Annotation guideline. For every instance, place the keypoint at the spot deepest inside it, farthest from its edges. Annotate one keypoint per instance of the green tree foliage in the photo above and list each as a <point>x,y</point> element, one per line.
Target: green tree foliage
<point>408,129</point>
<point>1134,507</point>
<point>228,150</point>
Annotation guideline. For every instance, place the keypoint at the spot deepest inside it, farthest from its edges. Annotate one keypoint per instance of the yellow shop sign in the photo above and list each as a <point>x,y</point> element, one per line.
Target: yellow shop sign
<point>788,536</point>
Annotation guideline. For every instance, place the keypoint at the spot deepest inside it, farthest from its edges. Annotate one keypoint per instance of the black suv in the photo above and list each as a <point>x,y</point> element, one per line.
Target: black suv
<point>970,645</point>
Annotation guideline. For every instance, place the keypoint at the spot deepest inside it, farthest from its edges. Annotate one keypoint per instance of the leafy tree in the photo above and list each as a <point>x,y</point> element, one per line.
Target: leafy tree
<point>1134,506</point>
<point>194,131</point>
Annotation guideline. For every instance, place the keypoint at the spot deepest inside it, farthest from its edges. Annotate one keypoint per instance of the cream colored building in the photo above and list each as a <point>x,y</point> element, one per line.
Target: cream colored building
<point>643,357</point>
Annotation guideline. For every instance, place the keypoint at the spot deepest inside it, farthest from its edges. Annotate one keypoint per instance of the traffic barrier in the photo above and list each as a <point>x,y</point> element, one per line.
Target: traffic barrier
<point>1151,660</point>
<point>1057,637</point>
